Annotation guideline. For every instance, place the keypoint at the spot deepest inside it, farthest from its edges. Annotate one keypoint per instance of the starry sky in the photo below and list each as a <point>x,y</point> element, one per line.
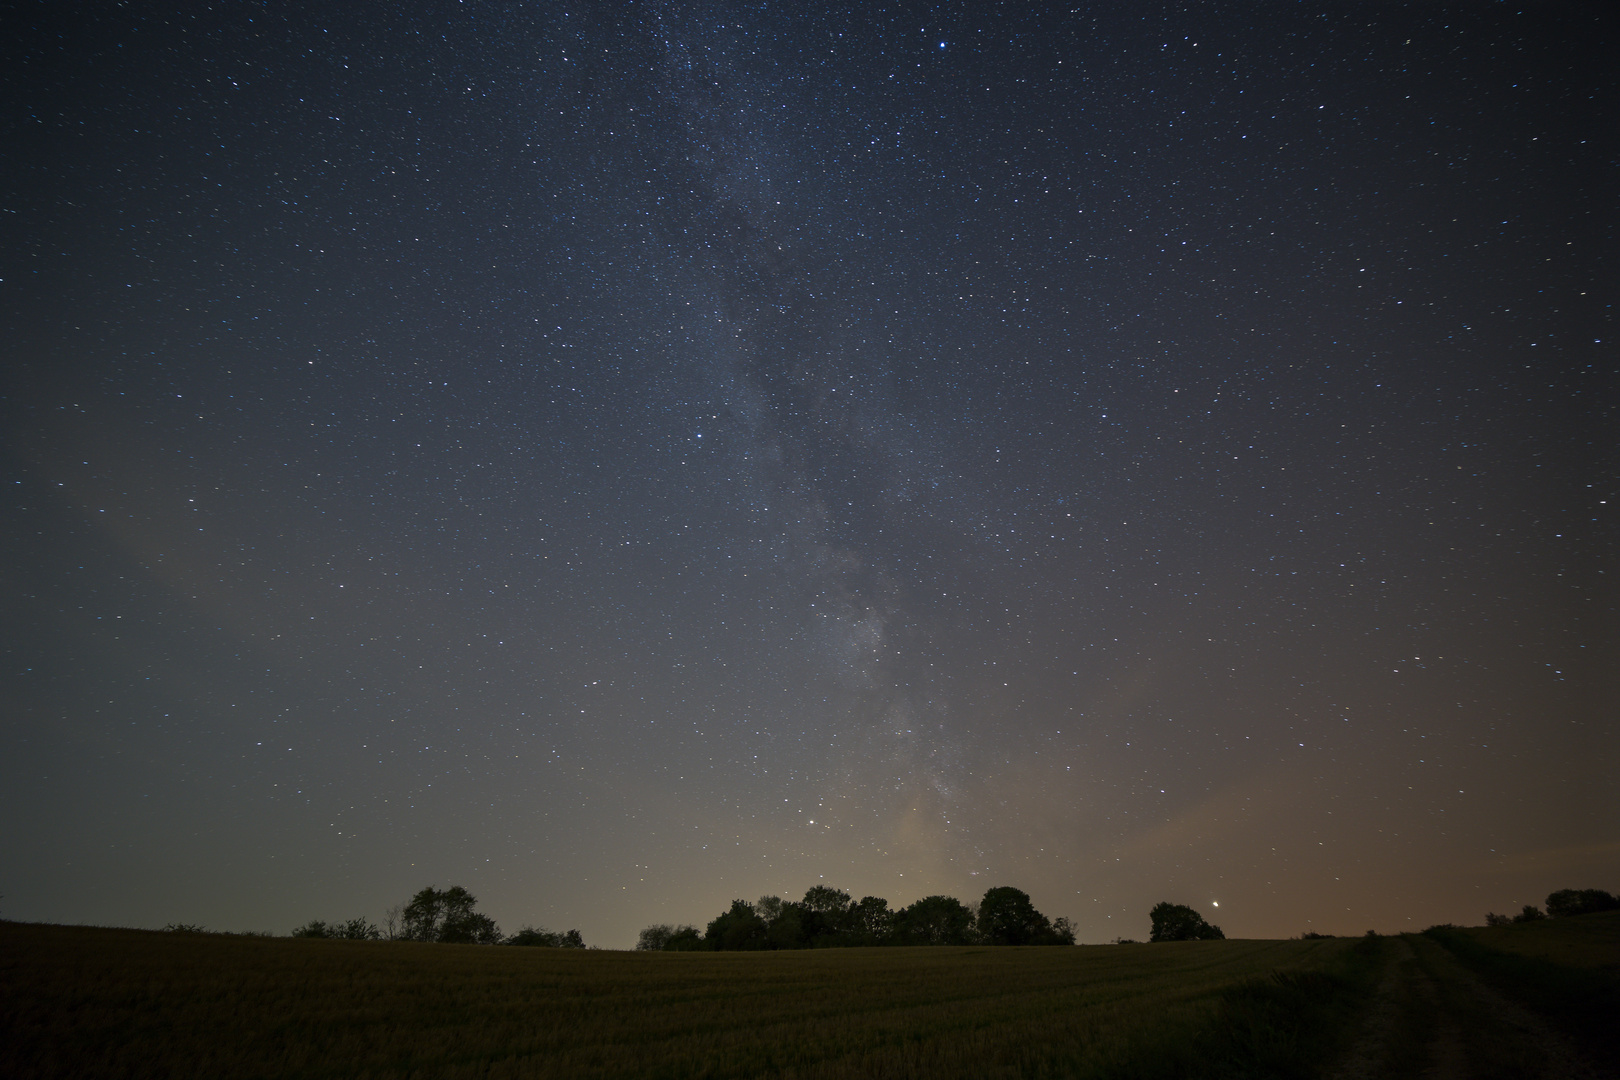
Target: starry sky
<point>621,457</point>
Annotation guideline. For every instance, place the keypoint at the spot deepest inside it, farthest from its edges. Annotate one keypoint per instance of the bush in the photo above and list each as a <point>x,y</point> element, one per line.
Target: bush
<point>536,937</point>
<point>353,930</point>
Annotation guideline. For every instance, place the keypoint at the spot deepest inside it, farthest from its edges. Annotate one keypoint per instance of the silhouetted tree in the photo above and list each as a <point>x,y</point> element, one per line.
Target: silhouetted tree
<point>827,917</point>
<point>788,926</point>
<point>739,928</point>
<point>1007,917</point>
<point>1177,922</point>
<point>870,921</point>
<point>826,900</point>
<point>448,917</point>
<point>1531,913</point>
<point>684,939</point>
<point>655,938</point>
<point>934,920</point>
<point>1566,902</point>
<point>824,917</point>
<point>785,923</point>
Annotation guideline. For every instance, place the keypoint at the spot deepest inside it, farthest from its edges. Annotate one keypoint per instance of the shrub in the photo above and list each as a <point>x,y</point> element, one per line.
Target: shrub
<point>354,930</point>
<point>536,937</point>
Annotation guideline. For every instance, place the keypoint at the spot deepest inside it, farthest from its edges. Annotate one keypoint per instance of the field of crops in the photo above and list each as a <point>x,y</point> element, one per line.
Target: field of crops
<point>79,1001</point>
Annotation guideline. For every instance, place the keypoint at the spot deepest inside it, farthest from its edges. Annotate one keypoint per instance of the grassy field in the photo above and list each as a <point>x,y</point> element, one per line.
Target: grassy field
<point>1563,971</point>
<point>83,1001</point>
<point>1588,942</point>
<point>80,1001</point>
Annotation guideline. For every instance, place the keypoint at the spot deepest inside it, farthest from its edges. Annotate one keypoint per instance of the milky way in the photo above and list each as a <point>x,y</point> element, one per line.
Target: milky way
<point>621,458</point>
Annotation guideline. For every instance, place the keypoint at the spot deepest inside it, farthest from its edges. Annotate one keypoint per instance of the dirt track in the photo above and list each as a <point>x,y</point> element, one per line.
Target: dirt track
<point>1433,1019</point>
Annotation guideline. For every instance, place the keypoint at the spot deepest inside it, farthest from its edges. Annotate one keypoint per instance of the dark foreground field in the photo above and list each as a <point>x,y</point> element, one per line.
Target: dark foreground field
<point>78,1001</point>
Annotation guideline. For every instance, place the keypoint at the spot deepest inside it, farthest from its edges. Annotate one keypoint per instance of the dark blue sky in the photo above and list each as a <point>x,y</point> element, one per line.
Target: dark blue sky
<point>623,457</point>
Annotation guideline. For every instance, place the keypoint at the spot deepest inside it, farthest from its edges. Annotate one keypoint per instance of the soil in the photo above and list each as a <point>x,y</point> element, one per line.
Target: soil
<point>1432,1019</point>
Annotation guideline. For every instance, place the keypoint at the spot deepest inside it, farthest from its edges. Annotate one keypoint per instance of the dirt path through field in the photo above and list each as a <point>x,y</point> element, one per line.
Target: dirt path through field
<point>1432,1019</point>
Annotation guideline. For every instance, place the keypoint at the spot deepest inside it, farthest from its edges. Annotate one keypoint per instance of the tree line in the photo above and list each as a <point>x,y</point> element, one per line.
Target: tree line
<point>831,918</point>
<point>446,916</point>
<point>826,918</point>
<point>1560,905</point>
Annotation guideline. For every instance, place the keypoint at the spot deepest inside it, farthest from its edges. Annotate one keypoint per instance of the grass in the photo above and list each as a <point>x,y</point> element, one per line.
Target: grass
<point>1566,970</point>
<point>87,1001</point>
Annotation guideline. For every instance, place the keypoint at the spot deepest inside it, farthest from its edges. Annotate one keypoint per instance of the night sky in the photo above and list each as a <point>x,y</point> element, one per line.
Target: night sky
<point>622,457</point>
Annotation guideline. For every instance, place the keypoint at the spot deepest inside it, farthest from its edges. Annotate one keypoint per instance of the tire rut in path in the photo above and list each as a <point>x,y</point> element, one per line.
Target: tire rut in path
<point>1433,1019</point>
